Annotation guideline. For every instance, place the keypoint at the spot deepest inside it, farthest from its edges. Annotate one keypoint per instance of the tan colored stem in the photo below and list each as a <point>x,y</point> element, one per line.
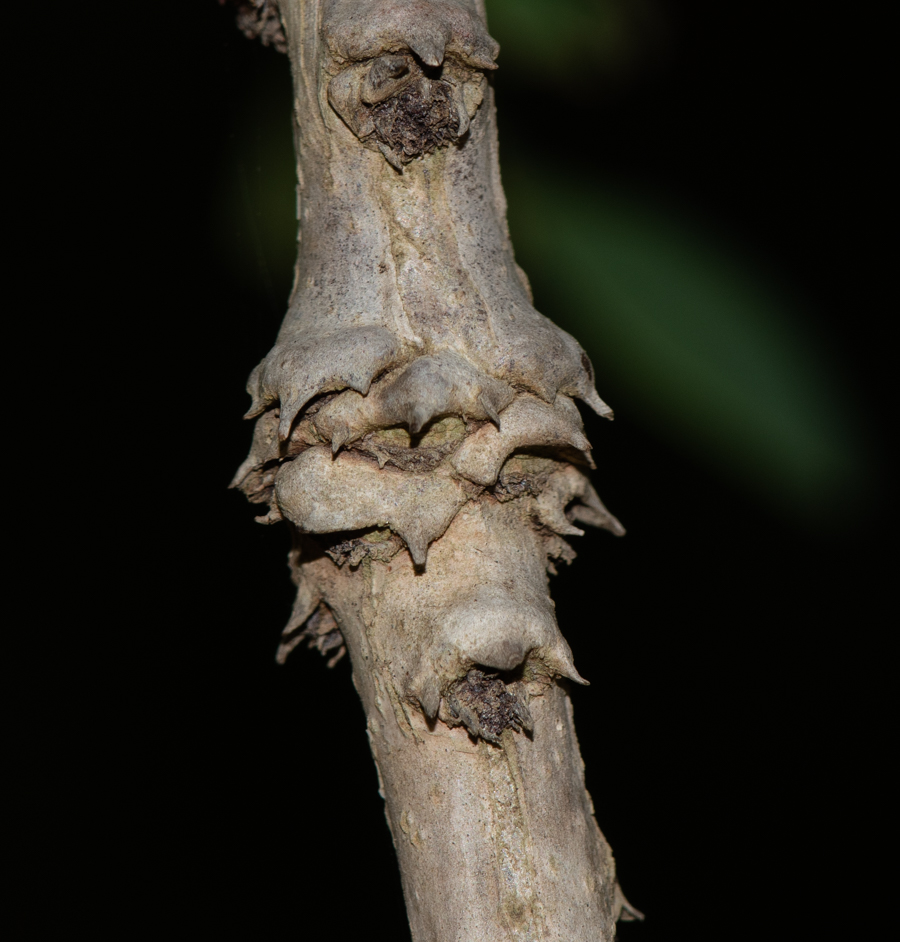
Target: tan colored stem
<point>416,428</point>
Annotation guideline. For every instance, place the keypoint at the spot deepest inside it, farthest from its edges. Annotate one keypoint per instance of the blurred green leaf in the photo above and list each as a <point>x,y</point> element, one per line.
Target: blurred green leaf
<point>553,39</point>
<point>706,346</point>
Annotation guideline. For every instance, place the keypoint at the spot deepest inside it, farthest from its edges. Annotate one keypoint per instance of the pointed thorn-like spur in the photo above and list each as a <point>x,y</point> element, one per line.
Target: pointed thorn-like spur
<point>419,416</point>
<point>321,493</point>
<point>625,912</point>
<point>430,49</point>
<point>489,409</point>
<point>472,724</point>
<point>326,363</point>
<point>390,156</point>
<point>559,660</point>
<point>527,421</point>
<point>418,549</point>
<point>429,696</point>
<point>462,114</point>
<point>524,714</point>
<point>339,438</point>
<point>289,411</point>
<point>273,516</point>
<point>598,405</point>
<point>241,474</point>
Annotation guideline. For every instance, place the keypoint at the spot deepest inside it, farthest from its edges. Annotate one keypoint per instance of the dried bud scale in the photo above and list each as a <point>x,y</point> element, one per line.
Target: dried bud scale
<point>416,428</point>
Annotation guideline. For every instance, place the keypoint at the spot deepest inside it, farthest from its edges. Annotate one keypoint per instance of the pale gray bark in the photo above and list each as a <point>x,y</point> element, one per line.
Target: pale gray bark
<point>417,430</point>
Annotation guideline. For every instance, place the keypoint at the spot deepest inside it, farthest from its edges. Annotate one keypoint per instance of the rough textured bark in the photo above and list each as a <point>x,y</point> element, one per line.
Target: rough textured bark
<point>416,428</point>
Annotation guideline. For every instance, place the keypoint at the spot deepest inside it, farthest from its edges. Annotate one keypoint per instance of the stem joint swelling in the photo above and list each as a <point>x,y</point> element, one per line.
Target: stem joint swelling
<point>416,427</point>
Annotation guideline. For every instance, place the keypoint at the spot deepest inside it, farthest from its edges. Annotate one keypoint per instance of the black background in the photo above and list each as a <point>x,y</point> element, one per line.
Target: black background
<point>736,658</point>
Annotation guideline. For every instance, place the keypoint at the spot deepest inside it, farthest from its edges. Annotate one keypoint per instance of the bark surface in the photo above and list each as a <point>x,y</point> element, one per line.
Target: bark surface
<point>416,428</point>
